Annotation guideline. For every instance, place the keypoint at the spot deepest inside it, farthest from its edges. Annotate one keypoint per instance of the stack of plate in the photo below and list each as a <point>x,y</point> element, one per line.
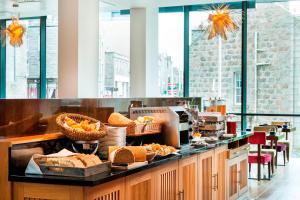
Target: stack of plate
<point>116,136</point>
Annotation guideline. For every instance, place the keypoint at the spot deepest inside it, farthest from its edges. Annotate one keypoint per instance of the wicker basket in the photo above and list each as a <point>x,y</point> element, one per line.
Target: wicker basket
<point>134,129</point>
<point>80,135</point>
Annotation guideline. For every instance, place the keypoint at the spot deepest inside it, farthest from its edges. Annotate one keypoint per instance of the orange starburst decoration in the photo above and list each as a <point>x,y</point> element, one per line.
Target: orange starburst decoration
<point>15,31</point>
<point>221,21</point>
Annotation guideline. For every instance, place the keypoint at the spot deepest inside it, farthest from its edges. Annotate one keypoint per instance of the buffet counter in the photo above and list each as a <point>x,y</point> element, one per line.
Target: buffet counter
<point>194,173</point>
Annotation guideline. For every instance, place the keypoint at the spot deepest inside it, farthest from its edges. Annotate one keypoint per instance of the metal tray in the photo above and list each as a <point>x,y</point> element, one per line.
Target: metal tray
<point>75,172</point>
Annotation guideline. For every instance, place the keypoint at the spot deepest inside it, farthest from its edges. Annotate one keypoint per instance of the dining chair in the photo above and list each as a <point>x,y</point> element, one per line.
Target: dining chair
<point>283,141</point>
<point>279,147</point>
<point>270,151</point>
<point>287,145</point>
<point>259,158</point>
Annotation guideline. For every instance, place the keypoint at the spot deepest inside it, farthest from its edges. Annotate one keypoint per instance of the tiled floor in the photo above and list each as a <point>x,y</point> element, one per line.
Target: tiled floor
<point>285,184</point>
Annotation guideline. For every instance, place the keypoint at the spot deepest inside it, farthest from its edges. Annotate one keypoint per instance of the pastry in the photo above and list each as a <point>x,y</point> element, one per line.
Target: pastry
<point>83,125</point>
<point>162,150</point>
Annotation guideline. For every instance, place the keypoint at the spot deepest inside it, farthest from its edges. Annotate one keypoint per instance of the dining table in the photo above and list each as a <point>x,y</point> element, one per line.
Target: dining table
<point>288,130</point>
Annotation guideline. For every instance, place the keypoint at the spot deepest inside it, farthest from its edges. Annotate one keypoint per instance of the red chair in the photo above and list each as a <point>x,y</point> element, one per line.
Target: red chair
<point>258,158</point>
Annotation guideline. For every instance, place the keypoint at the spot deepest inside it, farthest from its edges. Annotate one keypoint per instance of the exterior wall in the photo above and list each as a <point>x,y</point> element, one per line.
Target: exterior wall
<point>274,90</point>
<point>275,78</point>
<point>273,84</point>
<point>170,77</point>
<point>117,75</point>
<point>208,58</point>
<point>296,79</point>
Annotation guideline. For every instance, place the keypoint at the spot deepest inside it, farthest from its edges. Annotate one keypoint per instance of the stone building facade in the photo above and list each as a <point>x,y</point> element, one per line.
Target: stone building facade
<point>270,62</point>
<point>117,73</point>
<point>273,67</point>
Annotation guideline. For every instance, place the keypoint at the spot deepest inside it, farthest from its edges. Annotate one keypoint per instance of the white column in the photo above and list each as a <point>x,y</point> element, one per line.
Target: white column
<point>144,52</point>
<point>78,48</point>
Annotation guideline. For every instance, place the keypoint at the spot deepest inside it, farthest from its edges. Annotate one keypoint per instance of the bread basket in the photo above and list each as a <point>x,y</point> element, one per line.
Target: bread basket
<point>133,129</point>
<point>130,128</point>
<point>78,135</point>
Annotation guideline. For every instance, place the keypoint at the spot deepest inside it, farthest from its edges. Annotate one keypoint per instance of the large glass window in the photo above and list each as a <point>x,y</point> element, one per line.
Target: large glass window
<point>114,68</point>
<point>215,63</point>
<point>52,57</point>
<point>273,67</point>
<point>23,63</point>
<point>170,61</point>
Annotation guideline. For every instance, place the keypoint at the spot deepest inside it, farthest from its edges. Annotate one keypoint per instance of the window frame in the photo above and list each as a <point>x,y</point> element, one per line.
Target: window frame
<point>244,6</point>
<point>43,81</point>
<point>236,87</point>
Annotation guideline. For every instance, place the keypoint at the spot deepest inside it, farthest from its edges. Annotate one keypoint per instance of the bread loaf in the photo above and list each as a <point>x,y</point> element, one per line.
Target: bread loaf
<point>77,161</point>
<point>65,162</point>
<point>118,119</point>
<point>139,152</point>
<point>121,156</point>
<point>89,160</point>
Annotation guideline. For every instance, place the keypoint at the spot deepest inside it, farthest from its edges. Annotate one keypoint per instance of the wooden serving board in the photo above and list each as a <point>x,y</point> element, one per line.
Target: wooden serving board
<point>75,172</point>
<point>129,166</point>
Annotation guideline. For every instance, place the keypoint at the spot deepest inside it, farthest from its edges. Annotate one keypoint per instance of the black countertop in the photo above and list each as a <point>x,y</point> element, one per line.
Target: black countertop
<point>110,176</point>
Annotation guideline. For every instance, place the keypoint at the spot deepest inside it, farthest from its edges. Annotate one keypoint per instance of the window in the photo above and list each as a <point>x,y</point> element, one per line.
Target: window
<point>170,59</point>
<point>273,67</point>
<point>114,63</point>
<point>29,71</point>
<point>273,64</point>
<point>23,63</point>
<point>237,88</point>
<point>212,63</point>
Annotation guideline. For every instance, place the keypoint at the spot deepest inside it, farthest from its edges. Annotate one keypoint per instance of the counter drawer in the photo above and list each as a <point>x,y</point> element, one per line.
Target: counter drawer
<point>236,152</point>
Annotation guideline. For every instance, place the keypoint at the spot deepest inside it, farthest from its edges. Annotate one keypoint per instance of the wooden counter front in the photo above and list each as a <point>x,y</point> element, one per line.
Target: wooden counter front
<point>200,175</point>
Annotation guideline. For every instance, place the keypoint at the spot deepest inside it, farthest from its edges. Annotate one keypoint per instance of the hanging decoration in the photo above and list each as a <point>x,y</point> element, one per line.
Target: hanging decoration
<point>221,22</point>
<point>15,32</point>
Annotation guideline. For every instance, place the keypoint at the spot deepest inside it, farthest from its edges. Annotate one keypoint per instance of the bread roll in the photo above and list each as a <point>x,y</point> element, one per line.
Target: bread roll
<point>121,156</point>
<point>118,119</point>
<point>139,152</point>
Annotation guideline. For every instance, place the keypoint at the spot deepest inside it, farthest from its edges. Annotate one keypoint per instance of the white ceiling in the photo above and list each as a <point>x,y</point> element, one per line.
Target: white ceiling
<point>29,8</point>
<point>158,3</point>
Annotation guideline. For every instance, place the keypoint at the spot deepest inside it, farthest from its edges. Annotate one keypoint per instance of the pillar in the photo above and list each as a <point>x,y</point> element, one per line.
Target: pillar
<point>144,76</point>
<point>78,48</point>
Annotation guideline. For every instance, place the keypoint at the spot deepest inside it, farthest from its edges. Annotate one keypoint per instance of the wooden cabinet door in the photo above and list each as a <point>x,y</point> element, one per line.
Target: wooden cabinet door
<point>232,178</point>
<point>114,190</point>
<point>140,186</point>
<point>205,175</point>
<point>36,191</point>
<point>188,178</point>
<point>243,174</point>
<point>166,181</point>
<point>219,175</point>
